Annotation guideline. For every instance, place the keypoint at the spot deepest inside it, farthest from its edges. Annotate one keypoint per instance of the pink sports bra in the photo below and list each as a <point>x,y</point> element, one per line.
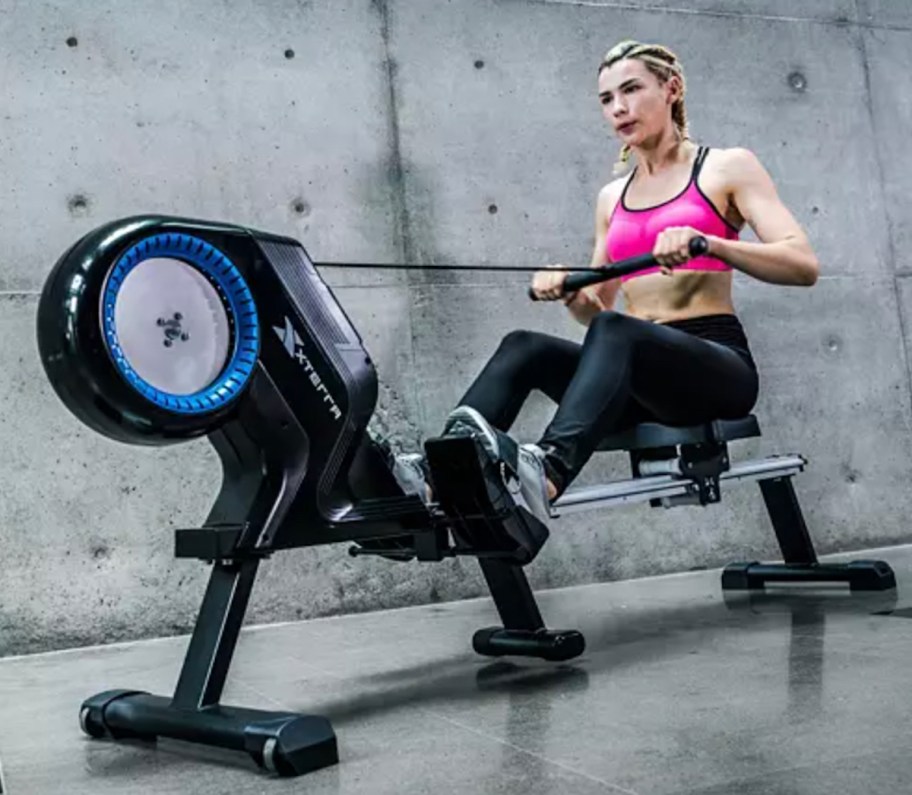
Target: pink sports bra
<point>633,232</point>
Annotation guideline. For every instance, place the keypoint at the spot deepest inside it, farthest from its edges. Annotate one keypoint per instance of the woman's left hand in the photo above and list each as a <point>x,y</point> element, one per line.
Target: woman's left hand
<point>672,246</point>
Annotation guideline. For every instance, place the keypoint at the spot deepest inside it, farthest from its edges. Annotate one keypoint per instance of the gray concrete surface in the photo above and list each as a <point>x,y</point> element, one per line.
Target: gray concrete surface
<point>680,692</point>
<point>394,133</point>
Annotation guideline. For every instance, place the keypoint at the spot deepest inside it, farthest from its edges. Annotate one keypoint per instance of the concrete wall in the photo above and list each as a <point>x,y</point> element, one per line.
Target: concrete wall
<point>434,131</point>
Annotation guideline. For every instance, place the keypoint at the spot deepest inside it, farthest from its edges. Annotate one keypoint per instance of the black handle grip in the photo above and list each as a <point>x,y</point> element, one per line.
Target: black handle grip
<point>698,246</point>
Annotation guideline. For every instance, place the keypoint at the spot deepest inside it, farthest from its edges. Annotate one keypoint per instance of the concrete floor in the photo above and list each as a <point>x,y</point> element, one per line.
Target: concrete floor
<point>680,691</point>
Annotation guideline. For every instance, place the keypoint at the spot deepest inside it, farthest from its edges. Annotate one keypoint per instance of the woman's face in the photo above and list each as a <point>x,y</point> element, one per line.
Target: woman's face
<point>633,100</point>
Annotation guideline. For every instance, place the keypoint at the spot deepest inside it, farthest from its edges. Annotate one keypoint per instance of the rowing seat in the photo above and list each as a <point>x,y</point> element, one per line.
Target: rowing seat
<point>649,435</point>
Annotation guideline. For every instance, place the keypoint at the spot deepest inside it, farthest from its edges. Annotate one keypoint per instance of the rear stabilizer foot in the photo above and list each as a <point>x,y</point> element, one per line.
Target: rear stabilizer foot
<point>860,575</point>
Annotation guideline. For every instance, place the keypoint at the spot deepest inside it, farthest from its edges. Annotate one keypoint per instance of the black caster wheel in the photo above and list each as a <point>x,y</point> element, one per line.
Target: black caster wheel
<point>91,723</point>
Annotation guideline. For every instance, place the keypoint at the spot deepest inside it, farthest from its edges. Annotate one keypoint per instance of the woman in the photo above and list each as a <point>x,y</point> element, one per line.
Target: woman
<point>678,354</point>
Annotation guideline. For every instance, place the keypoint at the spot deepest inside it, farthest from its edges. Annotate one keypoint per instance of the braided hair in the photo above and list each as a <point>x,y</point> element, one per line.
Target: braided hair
<point>664,64</point>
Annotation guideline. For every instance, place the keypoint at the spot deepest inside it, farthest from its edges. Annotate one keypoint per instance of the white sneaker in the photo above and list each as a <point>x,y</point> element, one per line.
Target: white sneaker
<point>533,482</point>
<point>521,466</point>
<point>409,472</point>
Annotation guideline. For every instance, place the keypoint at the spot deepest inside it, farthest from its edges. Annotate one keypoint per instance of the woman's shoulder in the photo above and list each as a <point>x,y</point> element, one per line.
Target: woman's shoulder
<point>733,161</point>
<point>732,171</point>
<point>610,194</point>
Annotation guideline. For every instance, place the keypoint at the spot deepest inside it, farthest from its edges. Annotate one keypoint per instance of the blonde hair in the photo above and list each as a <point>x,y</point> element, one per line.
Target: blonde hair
<point>664,64</point>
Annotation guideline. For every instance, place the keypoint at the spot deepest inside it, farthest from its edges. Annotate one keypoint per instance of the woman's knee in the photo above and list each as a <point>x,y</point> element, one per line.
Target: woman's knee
<point>522,344</point>
<point>612,325</point>
<point>521,356</point>
<point>609,320</point>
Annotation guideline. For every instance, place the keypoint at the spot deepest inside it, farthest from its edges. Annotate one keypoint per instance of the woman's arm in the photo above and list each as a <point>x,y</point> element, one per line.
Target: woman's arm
<point>784,256</point>
<point>589,301</point>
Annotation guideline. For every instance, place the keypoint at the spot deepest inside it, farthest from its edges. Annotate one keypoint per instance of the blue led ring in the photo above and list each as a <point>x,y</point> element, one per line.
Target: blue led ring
<point>237,298</point>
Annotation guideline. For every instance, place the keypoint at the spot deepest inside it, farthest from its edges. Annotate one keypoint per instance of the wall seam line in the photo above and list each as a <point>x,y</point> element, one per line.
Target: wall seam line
<point>891,248</point>
<point>402,231</point>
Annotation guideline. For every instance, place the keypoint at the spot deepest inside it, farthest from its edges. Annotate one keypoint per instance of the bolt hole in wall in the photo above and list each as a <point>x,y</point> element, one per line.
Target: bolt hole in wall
<point>78,205</point>
<point>300,207</point>
<point>797,81</point>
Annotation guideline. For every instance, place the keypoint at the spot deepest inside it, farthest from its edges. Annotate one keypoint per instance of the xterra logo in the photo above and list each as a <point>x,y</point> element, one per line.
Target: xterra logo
<point>295,348</point>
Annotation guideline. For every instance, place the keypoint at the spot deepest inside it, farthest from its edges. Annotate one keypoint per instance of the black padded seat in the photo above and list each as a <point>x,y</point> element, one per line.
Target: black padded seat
<point>652,434</point>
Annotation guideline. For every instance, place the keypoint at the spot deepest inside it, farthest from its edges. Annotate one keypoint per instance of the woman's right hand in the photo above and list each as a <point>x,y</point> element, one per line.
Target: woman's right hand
<point>548,284</point>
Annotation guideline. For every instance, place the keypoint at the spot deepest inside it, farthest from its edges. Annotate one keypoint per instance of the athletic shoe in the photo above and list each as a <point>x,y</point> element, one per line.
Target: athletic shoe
<point>521,466</point>
<point>410,474</point>
<point>408,469</point>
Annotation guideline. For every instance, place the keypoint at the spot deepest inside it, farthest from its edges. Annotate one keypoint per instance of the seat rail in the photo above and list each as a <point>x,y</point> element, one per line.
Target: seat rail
<point>623,492</point>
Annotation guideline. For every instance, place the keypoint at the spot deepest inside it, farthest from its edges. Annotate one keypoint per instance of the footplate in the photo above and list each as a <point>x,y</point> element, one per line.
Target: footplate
<point>486,521</point>
<point>555,645</point>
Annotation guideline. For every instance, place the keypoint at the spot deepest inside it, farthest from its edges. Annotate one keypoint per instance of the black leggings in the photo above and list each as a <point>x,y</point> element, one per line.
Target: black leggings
<point>626,371</point>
